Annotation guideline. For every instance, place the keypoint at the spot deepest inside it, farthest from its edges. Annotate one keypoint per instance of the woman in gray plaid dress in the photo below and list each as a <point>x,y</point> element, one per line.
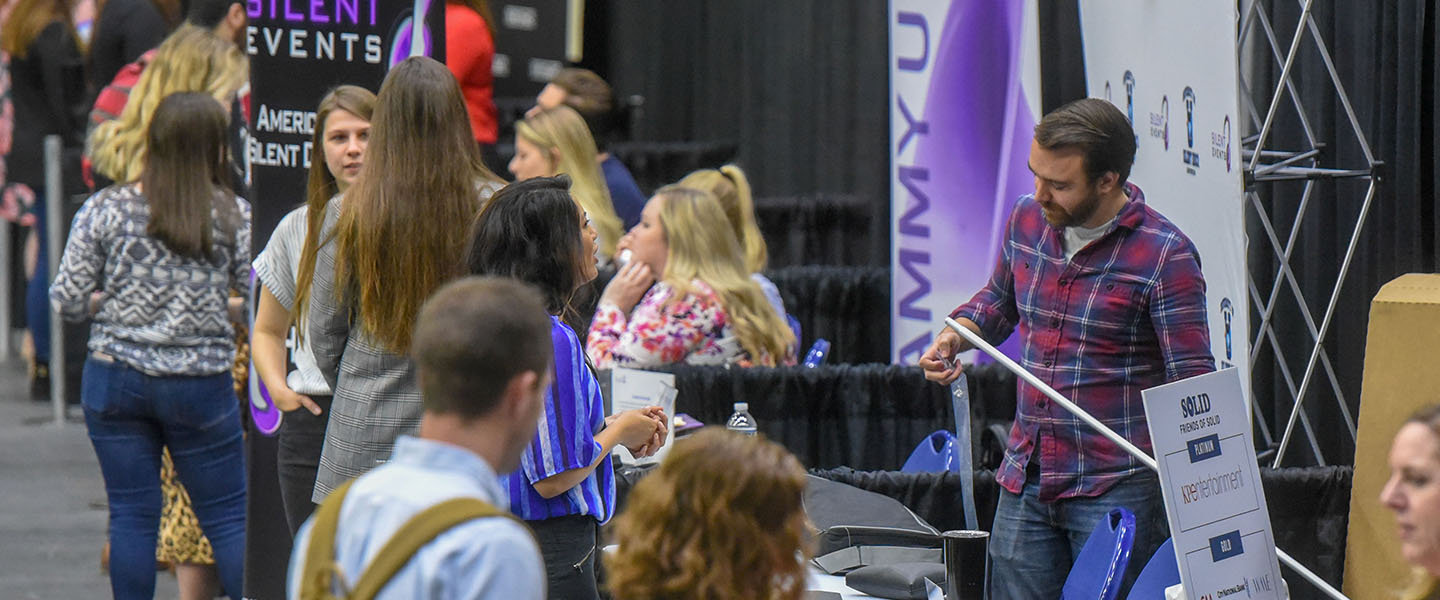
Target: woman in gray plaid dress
<point>397,235</point>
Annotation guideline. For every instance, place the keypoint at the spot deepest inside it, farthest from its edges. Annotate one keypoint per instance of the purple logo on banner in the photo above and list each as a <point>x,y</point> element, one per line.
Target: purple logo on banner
<point>971,147</point>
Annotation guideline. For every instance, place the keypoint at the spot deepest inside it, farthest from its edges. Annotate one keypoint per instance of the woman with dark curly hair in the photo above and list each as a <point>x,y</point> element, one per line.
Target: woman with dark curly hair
<point>721,518</point>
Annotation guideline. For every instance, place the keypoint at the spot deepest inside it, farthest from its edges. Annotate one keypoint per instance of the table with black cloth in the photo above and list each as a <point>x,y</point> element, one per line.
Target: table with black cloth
<point>863,416</point>
<point>1309,508</point>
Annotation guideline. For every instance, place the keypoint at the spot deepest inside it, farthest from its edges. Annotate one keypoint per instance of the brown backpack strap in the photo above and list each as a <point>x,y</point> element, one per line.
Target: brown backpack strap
<point>318,576</point>
<point>413,535</point>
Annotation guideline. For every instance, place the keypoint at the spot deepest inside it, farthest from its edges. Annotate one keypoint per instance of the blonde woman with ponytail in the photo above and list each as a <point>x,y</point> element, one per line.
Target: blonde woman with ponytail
<point>192,59</point>
<point>686,295</point>
<point>729,185</point>
<point>556,140</point>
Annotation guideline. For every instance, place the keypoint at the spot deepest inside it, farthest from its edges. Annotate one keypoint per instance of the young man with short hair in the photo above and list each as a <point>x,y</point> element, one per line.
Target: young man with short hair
<point>483,357</point>
<point>1108,298</point>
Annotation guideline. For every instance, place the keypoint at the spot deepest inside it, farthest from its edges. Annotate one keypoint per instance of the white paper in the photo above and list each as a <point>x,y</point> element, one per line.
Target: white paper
<point>1213,498</point>
<point>631,389</point>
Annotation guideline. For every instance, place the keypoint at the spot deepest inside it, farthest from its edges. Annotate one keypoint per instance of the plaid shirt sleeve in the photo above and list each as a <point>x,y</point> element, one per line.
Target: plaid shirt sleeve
<point>1177,311</point>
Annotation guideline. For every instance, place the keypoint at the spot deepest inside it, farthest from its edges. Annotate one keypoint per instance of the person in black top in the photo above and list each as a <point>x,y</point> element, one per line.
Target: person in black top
<point>48,93</point>
<point>124,30</point>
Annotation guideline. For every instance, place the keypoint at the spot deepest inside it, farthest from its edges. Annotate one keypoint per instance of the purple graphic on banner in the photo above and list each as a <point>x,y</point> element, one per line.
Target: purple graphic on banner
<point>969,167</point>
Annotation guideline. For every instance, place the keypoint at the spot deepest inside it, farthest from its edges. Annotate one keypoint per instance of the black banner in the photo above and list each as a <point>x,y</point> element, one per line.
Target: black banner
<point>299,49</point>
<point>530,44</point>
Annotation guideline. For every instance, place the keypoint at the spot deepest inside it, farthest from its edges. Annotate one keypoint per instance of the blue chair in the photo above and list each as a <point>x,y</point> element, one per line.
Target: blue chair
<point>1161,572</point>
<point>936,453</point>
<point>1098,571</point>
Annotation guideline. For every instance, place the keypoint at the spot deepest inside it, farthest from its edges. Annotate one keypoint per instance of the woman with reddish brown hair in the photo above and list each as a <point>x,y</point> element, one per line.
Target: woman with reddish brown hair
<point>720,519</point>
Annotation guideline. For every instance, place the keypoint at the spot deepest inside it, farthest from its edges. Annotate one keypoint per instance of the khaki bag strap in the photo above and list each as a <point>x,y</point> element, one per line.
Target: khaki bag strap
<point>317,579</point>
<point>413,535</point>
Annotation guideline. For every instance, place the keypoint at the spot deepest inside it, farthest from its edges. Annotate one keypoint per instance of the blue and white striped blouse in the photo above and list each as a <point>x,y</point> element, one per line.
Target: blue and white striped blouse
<point>565,439</point>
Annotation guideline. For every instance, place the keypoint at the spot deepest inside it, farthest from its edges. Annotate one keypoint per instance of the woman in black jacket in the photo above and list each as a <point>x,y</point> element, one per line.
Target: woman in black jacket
<point>47,81</point>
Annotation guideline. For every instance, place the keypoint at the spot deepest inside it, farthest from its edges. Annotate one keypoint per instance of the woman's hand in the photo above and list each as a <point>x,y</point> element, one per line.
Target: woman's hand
<point>657,439</point>
<point>628,286</point>
<point>288,400</point>
<point>636,430</point>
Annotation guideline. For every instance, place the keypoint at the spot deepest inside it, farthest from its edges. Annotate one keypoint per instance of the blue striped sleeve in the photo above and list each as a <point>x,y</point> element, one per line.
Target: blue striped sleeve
<point>565,440</point>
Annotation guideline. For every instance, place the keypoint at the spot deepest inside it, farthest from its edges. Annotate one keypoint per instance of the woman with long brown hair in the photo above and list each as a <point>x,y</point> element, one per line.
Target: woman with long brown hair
<point>721,519</point>
<point>153,262</point>
<point>395,237</point>
<point>342,133</point>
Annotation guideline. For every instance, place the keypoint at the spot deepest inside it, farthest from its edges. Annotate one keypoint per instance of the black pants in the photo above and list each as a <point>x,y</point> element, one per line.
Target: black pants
<point>570,547</point>
<point>302,435</point>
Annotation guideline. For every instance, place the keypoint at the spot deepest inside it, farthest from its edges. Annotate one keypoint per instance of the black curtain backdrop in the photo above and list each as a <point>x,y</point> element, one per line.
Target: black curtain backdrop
<point>863,416</point>
<point>1385,55</point>
<point>818,229</point>
<point>848,306</point>
<point>798,86</point>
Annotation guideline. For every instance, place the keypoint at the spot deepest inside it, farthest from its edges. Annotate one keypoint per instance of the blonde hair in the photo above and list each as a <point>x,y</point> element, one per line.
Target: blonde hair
<point>562,130</point>
<point>729,185</point>
<point>699,250</point>
<point>192,59</point>
<point>721,518</point>
<point>1423,586</point>
<point>28,18</point>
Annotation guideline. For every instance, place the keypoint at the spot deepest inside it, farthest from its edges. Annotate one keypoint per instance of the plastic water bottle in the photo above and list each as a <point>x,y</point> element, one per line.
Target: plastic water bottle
<point>741,421</point>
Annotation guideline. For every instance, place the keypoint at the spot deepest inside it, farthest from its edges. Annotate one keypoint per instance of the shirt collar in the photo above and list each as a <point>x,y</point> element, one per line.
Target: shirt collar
<point>1133,213</point>
<point>432,454</point>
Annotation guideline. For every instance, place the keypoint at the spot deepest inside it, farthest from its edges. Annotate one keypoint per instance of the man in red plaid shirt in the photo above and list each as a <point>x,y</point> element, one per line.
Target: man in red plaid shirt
<point>1108,298</point>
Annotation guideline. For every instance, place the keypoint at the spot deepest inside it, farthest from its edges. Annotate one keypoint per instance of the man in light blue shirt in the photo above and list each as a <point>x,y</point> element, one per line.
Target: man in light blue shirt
<point>483,356</point>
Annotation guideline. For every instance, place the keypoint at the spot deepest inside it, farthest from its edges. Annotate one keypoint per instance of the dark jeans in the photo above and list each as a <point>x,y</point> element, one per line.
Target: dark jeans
<point>569,546</point>
<point>297,459</point>
<point>130,417</point>
<point>1034,544</point>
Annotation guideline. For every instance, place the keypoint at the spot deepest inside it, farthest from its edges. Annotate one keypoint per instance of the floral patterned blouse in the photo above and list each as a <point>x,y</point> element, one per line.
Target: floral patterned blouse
<point>694,330</point>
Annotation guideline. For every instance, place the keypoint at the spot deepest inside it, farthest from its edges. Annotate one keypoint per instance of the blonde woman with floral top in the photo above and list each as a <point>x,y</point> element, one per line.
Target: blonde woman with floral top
<point>686,295</point>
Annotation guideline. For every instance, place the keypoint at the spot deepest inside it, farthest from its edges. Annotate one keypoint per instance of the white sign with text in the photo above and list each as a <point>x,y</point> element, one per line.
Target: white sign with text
<point>1200,428</point>
<point>632,389</point>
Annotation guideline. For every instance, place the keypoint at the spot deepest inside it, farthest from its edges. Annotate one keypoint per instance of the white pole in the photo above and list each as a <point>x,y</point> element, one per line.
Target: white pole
<point>54,245</point>
<point>980,344</point>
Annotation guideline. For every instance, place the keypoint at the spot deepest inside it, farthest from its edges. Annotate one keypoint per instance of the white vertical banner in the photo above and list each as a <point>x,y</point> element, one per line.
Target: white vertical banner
<point>961,118</point>
<point>1172,68</point>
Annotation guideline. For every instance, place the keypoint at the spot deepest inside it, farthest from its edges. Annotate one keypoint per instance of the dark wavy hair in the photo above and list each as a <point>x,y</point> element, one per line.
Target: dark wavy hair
<point>721,518</point>
<point>531,230</point>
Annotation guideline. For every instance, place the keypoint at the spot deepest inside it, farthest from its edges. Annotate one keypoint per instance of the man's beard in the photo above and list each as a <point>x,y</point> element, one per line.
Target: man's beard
<point>1057,216</point>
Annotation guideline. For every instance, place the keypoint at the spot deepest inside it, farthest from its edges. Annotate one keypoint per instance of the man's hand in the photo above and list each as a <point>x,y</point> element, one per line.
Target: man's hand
<point>939,360</point>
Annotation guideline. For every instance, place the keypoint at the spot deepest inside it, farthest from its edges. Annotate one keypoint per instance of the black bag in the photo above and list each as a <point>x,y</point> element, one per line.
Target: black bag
<point>856,528</point>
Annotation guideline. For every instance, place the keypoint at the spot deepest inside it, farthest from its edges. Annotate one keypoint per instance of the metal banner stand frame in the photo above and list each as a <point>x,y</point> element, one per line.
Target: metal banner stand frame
<point>1125,444</point>
<point>1266,164</point>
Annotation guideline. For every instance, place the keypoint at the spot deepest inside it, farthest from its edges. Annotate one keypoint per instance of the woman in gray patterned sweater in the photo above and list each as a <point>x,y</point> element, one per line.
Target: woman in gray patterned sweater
<point>153,261</point>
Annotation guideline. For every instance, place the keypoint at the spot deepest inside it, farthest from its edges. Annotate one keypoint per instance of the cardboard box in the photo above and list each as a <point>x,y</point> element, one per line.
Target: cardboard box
<point>1400,377</point>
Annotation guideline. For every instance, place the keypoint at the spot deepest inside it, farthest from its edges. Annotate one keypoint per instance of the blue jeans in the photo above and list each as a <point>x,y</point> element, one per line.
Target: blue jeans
<point>1033,544</point>
<point>130,416</point>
